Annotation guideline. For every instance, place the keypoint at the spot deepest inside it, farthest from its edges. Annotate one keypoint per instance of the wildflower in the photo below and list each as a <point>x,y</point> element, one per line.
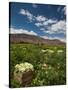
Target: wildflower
<point>44,66</point>
<point>22,68</point>
<point>43,50</point>
<point>46,72</point>
<point>50,51</point>
<point>59,51</point>
<point>47,50</point>
<point>50,67</point>
<point>24,48</point>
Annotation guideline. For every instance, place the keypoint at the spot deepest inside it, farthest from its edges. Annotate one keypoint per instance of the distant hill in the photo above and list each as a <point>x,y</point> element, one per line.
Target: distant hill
<point>24,38</point>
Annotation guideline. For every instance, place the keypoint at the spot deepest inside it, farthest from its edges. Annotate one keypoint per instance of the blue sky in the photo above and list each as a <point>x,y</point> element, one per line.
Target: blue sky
<point>46,21</point>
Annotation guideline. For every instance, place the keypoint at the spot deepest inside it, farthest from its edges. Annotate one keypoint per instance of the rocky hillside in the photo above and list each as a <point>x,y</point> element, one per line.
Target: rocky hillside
<point>23,38</point>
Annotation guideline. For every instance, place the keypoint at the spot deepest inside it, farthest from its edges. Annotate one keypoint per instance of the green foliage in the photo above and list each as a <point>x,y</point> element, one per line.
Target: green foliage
<point>52,74</point>
<point>15,84</point>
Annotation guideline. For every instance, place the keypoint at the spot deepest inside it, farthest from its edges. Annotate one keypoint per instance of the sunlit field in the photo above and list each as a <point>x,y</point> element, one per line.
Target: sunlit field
<point>49,63</point>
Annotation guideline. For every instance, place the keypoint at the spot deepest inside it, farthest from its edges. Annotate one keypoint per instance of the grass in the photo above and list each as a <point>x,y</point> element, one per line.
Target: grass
<point>54,73</point>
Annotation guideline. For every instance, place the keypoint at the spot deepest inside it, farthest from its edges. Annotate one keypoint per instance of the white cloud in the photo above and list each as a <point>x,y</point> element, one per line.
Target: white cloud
<point>30,16</point>
<point>34,5</point>
<point>49,21</point>
<point>52,26</point>
<point>59,26</point>
<point>22,31</point>
<point>38,24</point>
<point>43,29</point>
<point>64,10</point>
<point>56,27</point>
<point>59,8</point>
<point>45,23</point>
<point>26,13</point>
<point>45,37</point>
<point>40,18</point>
<point>49,26</point>
<point>49,32</point>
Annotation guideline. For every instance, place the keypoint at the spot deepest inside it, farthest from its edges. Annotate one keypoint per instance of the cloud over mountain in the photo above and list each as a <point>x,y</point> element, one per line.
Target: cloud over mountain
<point>48,21</point>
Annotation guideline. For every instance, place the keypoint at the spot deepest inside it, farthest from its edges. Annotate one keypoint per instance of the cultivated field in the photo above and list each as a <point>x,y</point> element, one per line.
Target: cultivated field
<point>49,63</point>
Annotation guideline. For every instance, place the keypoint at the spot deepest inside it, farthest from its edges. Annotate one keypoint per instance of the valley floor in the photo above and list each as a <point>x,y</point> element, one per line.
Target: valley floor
<point>49,63</point>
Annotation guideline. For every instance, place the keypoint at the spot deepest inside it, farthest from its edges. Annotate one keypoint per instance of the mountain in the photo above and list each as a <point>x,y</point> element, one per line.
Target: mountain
<point>24,38</point>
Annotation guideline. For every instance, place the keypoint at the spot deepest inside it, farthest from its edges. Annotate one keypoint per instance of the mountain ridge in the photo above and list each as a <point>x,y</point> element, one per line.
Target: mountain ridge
<point>24,38</point>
